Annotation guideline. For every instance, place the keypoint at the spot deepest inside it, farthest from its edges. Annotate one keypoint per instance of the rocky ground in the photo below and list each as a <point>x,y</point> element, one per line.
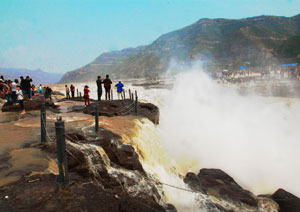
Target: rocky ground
<point>105,173</point>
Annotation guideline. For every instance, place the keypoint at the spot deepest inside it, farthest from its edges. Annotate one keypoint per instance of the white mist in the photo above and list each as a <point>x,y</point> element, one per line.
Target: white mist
<point>254,139</point>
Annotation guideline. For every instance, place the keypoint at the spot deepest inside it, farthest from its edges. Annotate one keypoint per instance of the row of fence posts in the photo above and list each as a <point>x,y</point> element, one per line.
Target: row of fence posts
<point>131,96</point>
<point>63,177</point>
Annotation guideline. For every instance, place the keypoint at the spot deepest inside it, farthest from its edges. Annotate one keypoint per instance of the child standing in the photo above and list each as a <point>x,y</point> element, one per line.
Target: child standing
<point>86,95</point>
<point>20,99</point>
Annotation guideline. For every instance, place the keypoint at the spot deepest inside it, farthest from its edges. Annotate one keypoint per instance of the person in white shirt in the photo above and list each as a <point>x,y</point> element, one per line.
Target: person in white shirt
<point>20,98</point>
<point>13,91</point>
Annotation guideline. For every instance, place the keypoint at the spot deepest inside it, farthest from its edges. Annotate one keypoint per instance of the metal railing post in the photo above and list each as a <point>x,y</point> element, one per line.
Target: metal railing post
<point>63,177</point>
<point>129,94</point>
<point>80,96</point>
<point>43,124</point>
<point>97,118</point>
<point>77,92</point>
<point>136,103</point>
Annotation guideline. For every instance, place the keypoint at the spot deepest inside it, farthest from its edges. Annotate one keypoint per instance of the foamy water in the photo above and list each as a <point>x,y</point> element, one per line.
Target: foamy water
<point>204,124</point>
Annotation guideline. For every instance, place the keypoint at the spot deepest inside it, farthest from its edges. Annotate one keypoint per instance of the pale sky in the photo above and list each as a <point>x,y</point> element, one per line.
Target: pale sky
<point>62,35</point>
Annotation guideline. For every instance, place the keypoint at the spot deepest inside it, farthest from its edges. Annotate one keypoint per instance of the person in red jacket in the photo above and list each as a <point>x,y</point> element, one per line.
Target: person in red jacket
<point>86,95</point>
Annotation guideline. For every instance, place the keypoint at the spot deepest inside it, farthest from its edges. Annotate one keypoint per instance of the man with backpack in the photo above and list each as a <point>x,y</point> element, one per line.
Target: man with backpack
<point>107,86</point>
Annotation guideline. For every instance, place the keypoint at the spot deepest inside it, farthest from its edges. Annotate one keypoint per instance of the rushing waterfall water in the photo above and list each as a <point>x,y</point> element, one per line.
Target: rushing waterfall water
<point>206,124</point>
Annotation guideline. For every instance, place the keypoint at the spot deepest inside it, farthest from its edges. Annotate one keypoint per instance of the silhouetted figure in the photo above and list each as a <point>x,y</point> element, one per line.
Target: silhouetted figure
<point>107,85</point>
<point>22,84</point>
<point>99,87</point>
<point>48,93</point>
<point>72,87</point>
<point>26,86</point>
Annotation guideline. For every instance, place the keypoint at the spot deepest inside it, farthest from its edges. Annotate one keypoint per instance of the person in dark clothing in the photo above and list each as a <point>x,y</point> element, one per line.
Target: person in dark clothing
<point>22,84</point>
<point>28,81</point>
<point>72,88</point>
<point>99,86</point>
<point>107,85</point>
<point>48,93</point>
<point>32,89</point>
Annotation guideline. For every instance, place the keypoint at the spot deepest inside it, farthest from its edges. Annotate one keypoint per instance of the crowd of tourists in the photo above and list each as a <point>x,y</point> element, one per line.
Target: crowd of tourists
<point>19,90</point>
<point>100,81</point>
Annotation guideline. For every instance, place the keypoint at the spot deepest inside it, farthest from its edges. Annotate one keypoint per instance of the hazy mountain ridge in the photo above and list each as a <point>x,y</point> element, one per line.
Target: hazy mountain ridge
<point>225,43</point>
<point>38,75</point>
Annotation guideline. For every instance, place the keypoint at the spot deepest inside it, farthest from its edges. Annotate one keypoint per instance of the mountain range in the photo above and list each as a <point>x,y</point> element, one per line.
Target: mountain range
<point>38,76</point>
<point>221,43</point>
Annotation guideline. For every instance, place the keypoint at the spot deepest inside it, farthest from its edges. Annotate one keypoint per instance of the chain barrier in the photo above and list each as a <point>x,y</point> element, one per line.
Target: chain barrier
<point>124,110</point>
<point>47,134</point>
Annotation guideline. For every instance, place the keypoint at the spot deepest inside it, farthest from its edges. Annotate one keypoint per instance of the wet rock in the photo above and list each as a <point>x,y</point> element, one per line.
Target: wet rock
<point>35,103</point>
<point>127,158</point>
<point>217,183</point>
<point>41,193</point>
<point>57,93</point>
<point>287,202</point>
<point>150,111</point>
<point>192,180</point>
<point>127,175</point>
<point>118,153</point>
<point>121,108</point>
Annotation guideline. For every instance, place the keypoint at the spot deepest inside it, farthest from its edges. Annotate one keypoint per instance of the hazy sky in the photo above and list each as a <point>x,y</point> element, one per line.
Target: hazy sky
<point>62,35</point>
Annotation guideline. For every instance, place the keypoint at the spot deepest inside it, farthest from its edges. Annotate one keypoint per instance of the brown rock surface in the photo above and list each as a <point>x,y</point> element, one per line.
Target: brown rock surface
<point>218,183</point>
<point>35,103</point>
<point>120,108</point>
<point>287,202</point>
<point>40,193</point>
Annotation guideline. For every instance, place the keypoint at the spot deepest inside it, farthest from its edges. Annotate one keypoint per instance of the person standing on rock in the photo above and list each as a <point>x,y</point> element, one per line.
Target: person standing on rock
<point>48,93</point>
<point>99,83</point>
<point>67,92</point>
<point>22,84</point>
<point>13,91</point>
<point>26,87</point>
<point>86,92</point>
<point>107,85</point>
<point>5,90</point>
<point>20,99</point>
<point>120,86</point>
<point>41,89</point>
<point>72,91</point>
<point>9,92</point>
<point>32,90</point>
